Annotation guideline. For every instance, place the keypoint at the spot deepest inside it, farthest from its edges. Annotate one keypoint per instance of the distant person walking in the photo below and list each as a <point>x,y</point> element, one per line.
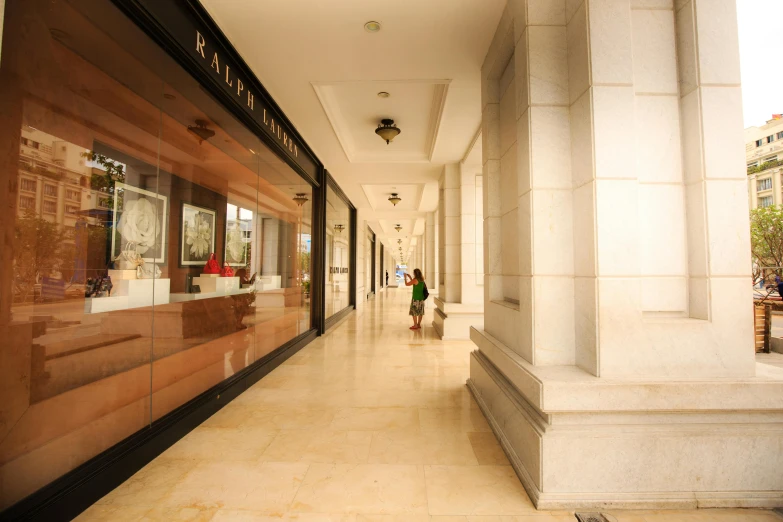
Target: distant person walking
<point>387,278</point>
<point>419,295</point>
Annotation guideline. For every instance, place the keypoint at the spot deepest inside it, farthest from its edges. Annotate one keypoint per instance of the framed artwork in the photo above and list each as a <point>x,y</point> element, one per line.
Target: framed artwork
<point>237,241</point>
<point>139,217</point>
<point>197,235</point>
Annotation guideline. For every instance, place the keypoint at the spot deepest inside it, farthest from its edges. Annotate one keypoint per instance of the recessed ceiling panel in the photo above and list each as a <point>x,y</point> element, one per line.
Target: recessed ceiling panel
<point>355,110</point>
<point>378,196</point>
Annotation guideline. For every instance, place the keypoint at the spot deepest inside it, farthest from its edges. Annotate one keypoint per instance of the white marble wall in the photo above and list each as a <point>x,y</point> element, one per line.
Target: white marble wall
<point>431,251</point>
<point>471,237</point>
<point>618,291</point>
<point>626,242</point>
<point>451,237</point>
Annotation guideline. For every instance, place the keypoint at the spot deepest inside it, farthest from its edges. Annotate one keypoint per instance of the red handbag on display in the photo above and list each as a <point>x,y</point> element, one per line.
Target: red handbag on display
<point>212,266</point>
<point>227,271</point>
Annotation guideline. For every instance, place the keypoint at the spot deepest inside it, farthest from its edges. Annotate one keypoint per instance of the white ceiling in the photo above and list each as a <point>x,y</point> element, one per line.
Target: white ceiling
<point>325,70</point>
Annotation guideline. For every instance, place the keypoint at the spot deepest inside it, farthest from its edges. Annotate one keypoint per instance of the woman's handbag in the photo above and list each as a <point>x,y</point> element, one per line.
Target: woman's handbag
<point>128,259</point>
<point>425,292</point>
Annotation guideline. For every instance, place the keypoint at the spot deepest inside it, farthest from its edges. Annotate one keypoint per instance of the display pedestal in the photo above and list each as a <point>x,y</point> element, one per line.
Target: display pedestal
<point>211,286</point>
<point>221,285</point>
<point>268,282</point>
<point>117,275</point>
<point>130,293</point>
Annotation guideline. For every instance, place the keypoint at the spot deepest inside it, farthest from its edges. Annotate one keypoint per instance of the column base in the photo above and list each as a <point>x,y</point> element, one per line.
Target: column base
<point>453,320</point>
<point>580,442</point>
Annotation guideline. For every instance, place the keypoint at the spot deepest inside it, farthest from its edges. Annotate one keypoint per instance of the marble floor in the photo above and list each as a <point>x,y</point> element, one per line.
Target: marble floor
<point>370,423</point>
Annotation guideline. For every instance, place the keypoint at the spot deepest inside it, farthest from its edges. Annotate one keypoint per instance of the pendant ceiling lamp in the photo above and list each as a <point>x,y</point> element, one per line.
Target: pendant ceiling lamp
<point>339,228</point>
<point>201,131</point>
<point>398,228</point>
<point>394,199</point>
<point>387,130</point>
<point>301,198</point>
<point>399,241</point>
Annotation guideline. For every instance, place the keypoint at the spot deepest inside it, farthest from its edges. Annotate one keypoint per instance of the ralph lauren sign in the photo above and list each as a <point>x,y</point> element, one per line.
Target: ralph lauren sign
<point>187,24</point>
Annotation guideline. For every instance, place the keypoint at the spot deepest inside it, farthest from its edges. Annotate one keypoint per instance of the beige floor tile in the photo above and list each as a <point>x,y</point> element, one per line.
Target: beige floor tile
<point>487,448</point>
<point>288,446</point>
<point>375,419</point>
<point>417,447</point>
<point>362,488</point>
<point>225,515</point>
<point>458,419</point>
<point>712,515</point>
<point>348,447</point>
<point>113,513</point>
<point>179,514</point>
<point>475,490</point>
<point>149,484</point>
<point>524,518</point>
<point>339,447</point>
<point>222,444</point>
<point>269,486</point>
<point>290,417</point>
<point>393,518</point>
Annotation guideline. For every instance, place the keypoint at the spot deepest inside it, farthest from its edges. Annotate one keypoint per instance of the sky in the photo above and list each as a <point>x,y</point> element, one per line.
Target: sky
<point>761,49</point>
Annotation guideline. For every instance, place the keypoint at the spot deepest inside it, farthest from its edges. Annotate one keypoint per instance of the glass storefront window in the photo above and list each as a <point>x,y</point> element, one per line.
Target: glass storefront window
<point>338,254</point>
<point>159,246</point>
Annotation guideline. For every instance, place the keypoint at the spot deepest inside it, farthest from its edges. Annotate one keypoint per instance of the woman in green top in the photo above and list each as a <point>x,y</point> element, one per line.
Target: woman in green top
<point>417,302</point>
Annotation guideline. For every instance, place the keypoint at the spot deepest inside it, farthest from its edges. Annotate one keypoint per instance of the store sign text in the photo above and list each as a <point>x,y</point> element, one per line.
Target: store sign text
<point>244,94</point>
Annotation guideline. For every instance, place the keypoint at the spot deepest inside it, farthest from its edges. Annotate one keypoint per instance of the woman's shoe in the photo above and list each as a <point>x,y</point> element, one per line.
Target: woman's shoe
<point>412,327</point>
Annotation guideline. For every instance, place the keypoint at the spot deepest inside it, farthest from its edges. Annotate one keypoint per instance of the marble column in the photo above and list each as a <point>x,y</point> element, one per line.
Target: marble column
<point>459,304</point>
<point>361,259</point>
<point>431,250</point>
<point>619,333</point>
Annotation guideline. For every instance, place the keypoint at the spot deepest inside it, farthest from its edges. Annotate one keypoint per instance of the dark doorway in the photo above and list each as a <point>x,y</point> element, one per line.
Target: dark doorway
<point>372,261</point>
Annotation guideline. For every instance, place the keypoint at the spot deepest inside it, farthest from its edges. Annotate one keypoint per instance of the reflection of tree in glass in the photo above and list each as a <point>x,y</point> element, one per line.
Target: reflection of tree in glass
<point>198,235</point>
<point>304,264</point>
<point>40,250</point>
<point>105,183</point>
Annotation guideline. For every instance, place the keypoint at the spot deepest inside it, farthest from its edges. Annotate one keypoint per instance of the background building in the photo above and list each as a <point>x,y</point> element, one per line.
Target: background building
<point>763,152</point>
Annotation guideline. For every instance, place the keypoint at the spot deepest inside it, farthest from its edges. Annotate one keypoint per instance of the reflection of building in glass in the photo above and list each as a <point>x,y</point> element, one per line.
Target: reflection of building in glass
<point>54,181</point>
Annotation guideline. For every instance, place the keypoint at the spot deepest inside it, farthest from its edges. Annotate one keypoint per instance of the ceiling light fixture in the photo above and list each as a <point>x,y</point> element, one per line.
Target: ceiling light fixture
<point>394,199</point>
<point>398,228</point>
<point>387,130</point>
<point>383,94</point>
<point>301,198</point>
<point>201,131</point>
<point>372,26</point>
<point>399,241</point>
<point>339,228</point>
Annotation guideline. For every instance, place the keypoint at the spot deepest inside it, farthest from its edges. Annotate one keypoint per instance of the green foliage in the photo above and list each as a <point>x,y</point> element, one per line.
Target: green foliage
<point>766,240</point>
<point>40,249</point>
<point>105,183</point>
<point>304,262</point>
<point>765,166</point>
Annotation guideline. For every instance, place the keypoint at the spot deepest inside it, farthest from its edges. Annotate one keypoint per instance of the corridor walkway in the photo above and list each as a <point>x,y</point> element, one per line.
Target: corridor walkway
<point>370,423</point>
